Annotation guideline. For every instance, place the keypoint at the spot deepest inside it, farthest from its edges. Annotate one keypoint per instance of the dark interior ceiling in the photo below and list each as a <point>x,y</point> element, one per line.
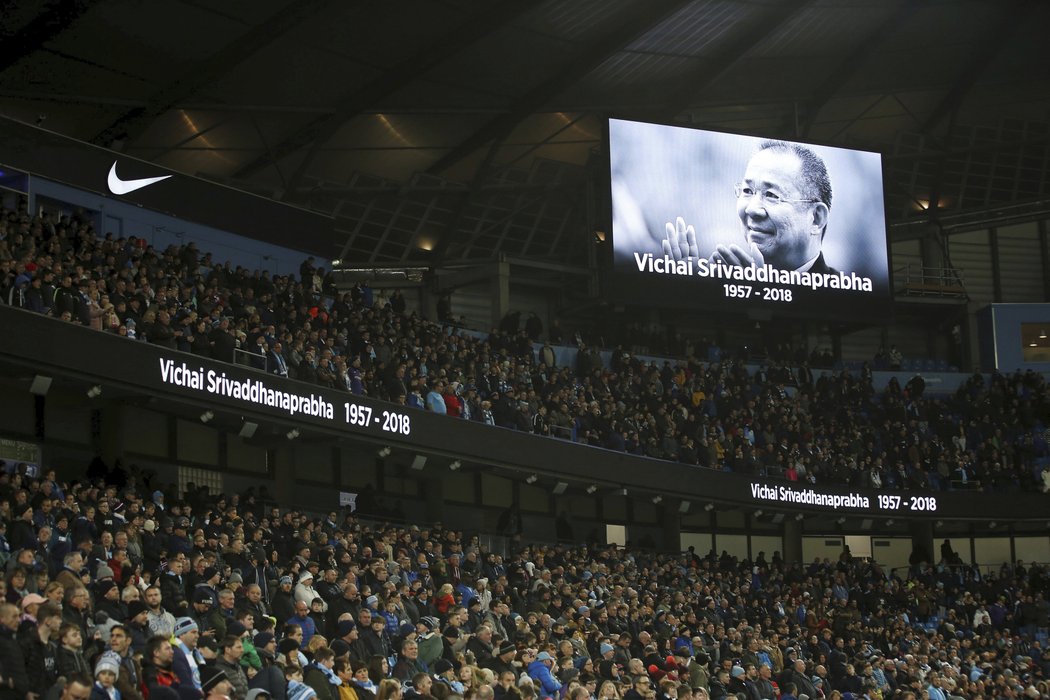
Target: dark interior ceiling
<point>452,130</point>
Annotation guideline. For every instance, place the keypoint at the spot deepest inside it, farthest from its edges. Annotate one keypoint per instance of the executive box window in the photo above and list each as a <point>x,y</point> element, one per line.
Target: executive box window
<point>1035,342</point>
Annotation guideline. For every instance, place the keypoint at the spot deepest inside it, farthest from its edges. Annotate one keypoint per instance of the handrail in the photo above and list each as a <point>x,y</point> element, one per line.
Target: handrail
<point>919,280</point>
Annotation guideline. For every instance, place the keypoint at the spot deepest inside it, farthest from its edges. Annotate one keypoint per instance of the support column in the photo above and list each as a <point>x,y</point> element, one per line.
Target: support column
<point>428,297</point>
<point>792,540</point>
<point>111,433</point>
<point>921,532</point>
<point>671,524</point>
<point>500,292</point>
<point>435,499</point>
<point>283,461</point>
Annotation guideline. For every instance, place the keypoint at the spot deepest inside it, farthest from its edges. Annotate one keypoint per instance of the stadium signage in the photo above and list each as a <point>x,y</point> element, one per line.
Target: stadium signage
<point>119,187</point>
<point>57,158</point>
<point>808,496</point>
<point>260,393</point>
<point>176,381</point>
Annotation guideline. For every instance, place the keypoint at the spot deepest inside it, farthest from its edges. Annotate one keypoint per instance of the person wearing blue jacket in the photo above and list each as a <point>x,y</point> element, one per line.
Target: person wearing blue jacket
<point>540,673</point>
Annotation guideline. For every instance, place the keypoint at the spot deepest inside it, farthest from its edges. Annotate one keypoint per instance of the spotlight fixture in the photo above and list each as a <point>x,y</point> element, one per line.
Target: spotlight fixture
<point>758,513</point>
<point>40,385</point>
<point>454,465</point>
<point>207,416</point>
<point>623,492</point>
<point>94,392</point>
<point>531,479</point>
<point>841,521</point>
<point>800,517</point>
<point>384,452</point>
<point>657,499</point>
<point>292,434</point>
<point>889,523</point>
<point>939,523</point>
<point>709,507</point>
<point>992,525</point>
<point>592,488</point>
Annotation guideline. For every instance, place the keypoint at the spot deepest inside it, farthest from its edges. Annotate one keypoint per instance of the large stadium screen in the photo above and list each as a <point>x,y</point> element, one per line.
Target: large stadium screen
<point>711,220</point>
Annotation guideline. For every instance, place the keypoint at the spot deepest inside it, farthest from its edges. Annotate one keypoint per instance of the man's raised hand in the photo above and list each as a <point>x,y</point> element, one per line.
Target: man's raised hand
<point>680,242</point>
<point>736,255</point>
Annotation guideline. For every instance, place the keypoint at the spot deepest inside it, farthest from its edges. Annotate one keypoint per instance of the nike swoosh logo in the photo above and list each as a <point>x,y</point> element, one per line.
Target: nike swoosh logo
<point>118,186</point>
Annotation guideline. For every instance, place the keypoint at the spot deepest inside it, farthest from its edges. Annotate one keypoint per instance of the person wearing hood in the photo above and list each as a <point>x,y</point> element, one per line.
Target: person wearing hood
<point>306,593</point>
<point>540,672</point>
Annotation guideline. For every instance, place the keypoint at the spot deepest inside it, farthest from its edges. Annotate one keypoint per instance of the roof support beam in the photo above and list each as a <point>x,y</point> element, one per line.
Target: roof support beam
<point>636,22</point>
<point>53,19</point>
<point>998,36</point>
<point>849,65</point>
<point>134,122</point>
<point>763,22</point>
<point>321,129</point>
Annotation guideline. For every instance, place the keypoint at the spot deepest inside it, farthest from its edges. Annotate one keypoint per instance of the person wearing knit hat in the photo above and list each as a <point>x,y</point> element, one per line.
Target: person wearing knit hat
<point>502,660</point>
<point>210,576</point>
<point>287,646</point>
<point>443,673</point>
<point>214,682</point>
<point>289,650</point>
<point>186,660</point>
<point>135,609</point>
<point>263,642</point>
<point>106,671</point>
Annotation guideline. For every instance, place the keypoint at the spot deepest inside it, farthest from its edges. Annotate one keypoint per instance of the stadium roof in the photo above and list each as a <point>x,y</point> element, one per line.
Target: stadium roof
<point>453,130</point>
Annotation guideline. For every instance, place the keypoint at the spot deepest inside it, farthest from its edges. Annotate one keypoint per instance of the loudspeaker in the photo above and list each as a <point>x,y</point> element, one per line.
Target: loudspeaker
<point>683,507</point>
<point>559,488</point>
<point>248,429</point>
<point>418,462</point>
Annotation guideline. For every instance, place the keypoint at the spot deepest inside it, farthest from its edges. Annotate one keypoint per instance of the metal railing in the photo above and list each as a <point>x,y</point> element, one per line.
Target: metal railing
<point>916,280</point>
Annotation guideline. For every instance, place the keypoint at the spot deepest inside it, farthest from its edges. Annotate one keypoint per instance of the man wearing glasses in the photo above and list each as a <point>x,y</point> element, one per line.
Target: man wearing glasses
<point>783,201</point>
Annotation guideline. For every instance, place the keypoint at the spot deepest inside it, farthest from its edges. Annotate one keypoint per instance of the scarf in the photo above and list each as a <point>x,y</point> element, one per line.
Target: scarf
<point>367,685</point>
<point>329,674</point>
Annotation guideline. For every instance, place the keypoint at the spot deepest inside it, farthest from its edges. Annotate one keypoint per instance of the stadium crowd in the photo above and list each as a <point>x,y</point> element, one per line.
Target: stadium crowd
<point>783,421</point>
<point>118,588</point>
<point>115,591</point>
